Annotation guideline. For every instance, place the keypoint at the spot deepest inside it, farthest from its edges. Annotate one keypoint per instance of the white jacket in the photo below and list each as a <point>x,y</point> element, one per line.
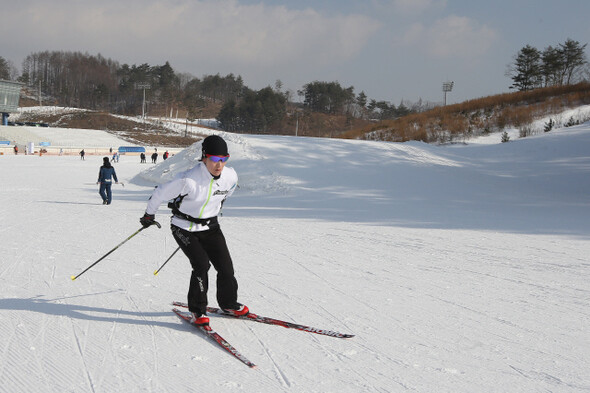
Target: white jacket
<point>203,194</point>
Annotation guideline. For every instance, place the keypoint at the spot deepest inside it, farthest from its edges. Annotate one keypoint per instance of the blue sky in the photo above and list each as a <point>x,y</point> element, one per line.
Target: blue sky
<point>390,49</point>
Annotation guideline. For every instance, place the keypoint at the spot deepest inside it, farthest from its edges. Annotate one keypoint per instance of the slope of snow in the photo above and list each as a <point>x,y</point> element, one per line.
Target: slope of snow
<point>63,137</point>
<point>458,268</point>
<point>577,115</point>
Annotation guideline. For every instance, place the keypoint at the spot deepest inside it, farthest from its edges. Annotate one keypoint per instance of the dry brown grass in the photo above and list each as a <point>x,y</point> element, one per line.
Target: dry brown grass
<point>475,117</point>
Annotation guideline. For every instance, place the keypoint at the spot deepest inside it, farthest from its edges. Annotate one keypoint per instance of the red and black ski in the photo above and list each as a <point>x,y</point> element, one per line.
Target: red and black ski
<point>216,337</point>
<point>271,321</point>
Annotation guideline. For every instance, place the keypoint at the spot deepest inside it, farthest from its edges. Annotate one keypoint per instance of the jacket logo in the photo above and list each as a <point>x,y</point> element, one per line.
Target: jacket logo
<point>219,192</point>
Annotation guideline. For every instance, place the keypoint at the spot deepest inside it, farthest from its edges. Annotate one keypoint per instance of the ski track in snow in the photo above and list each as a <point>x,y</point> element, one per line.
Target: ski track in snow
<point>281,376</point>
<point>82,362</point>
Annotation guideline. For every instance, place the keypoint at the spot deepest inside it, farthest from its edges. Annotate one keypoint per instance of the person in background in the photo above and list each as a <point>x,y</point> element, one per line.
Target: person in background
<point>106,174</point>
<point>198,195</point>
<point>165,156</point>
<point>142,157</point>
<point>154,157</point>
<point>82,154</point>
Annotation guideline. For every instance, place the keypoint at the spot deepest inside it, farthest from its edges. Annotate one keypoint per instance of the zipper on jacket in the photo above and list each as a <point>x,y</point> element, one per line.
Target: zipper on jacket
<point>208,198</point>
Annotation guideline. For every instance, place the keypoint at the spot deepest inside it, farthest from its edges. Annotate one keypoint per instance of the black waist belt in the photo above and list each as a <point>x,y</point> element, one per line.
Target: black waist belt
<point>202,221</point>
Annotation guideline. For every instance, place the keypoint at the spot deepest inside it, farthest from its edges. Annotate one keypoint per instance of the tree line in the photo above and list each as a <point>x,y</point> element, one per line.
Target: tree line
<point>561,65</point>
<point>77,79</point>
<point>83,80</point>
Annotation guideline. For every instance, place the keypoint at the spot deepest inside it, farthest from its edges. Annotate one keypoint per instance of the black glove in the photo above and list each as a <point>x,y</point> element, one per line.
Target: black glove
<point>148,220</point>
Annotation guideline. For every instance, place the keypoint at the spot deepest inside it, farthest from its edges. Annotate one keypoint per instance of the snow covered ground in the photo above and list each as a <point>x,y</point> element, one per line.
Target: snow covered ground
<point>459,268</point>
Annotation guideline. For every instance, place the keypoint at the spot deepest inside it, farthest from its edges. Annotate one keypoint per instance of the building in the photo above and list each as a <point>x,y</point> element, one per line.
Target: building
<point>9,98</point>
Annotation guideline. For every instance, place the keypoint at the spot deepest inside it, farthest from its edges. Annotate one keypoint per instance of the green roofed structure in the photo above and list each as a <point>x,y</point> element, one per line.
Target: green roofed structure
<point>9,98</point>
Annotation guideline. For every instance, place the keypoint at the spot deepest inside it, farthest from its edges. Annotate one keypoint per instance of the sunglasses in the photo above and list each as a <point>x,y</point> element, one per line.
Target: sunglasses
<point>217,158</point>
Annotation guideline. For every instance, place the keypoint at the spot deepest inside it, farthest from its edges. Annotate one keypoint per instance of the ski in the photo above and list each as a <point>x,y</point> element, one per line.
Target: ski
<point>271,321</point>
<point>216,337</point>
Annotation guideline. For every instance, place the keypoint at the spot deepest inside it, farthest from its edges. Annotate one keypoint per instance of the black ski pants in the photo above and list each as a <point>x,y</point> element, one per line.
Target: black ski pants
<point>203,249</point>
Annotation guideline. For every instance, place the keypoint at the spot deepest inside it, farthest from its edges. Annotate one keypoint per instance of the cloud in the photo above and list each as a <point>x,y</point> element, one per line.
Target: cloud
<point>417,6</point>
<point>266,35</point>
<point>224,30</point>
<point>453,36</point>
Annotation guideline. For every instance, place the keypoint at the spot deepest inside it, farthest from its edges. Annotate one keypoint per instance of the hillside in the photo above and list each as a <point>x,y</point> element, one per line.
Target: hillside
<point>152,132</point>
<point>481,116</point>
<point>304,124</point>
<point>452,123</point>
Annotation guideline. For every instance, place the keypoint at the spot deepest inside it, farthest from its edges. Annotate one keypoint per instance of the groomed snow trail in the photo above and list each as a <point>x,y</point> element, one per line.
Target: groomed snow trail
<point>468,291</point>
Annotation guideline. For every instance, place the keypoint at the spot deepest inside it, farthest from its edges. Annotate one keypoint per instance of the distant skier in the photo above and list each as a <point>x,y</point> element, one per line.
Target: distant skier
<point>142,158</point>
<point>154,157</point>
<point>82,154</point>
<point>106,174</point>
<point>165,156</point>
<point>198,196</point>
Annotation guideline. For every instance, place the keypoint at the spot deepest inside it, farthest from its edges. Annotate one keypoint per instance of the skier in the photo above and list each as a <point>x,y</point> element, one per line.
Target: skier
<point>105,174</point>
<point>142,158</point>
<point>165,156</point>
<point>154,157</point>
<point>82,154</point>
<point>198,195</point>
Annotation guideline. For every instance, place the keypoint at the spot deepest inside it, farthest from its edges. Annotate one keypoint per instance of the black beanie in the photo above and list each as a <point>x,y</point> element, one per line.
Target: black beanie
<point>215,146</point>
<point>105,161</point>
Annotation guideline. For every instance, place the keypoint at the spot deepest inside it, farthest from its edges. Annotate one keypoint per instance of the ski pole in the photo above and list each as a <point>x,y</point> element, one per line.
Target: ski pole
<point>108,253</point>
<point>169,258</point>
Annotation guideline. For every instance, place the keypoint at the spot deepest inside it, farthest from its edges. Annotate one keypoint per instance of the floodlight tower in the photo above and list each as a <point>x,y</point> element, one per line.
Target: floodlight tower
<point>447,87</point>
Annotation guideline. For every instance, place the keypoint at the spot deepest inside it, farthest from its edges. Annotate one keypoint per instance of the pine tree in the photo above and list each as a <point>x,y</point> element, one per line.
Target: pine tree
<point>573,58</point>
<point>552,66</point>
<point>526,70</point>
<point>549,125</point>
